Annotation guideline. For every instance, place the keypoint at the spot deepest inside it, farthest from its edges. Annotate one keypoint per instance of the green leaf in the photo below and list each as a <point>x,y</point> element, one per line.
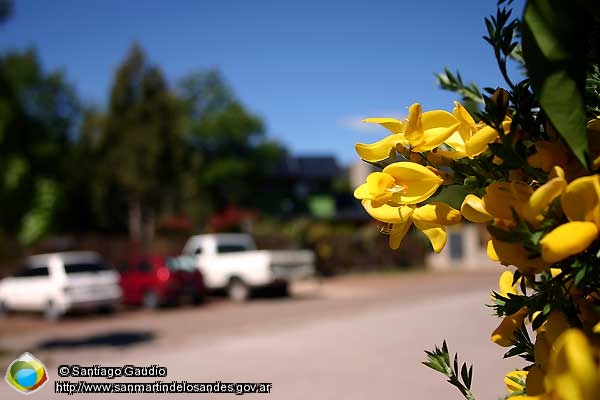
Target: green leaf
<point>554,48</point>
<point>452,195</point>
<point>501,234</point>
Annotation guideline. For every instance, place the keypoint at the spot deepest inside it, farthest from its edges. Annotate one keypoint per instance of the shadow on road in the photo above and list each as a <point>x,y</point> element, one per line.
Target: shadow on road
<point>111,339</point>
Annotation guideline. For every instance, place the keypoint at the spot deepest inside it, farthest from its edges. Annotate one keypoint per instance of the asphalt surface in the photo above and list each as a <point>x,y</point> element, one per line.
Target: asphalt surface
<point>355,337</point>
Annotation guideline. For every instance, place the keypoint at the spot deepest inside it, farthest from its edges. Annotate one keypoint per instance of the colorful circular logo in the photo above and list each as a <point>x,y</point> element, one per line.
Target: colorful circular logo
<point>26,374</point>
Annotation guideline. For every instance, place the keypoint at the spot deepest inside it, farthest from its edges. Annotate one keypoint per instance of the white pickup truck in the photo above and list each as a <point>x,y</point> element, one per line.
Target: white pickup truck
<point>230,261</point>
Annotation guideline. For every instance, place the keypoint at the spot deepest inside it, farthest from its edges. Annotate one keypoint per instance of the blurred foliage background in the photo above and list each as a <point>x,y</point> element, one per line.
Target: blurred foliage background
<point>157,163</point>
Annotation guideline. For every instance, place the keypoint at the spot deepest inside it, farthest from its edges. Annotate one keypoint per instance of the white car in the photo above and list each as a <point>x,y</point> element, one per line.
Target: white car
<point>232,262</point>
<point>60,282</point>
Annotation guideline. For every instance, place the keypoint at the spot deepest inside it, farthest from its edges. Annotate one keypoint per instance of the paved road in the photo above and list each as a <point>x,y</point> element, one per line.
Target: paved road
<point>353,338</point>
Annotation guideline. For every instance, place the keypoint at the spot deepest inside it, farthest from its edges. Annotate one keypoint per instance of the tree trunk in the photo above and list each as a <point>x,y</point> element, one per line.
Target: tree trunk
<point>149,222</point>
<point>135,218</point>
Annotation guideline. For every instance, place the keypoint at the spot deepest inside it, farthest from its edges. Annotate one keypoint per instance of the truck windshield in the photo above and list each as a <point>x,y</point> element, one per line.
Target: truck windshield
<point>230,248</point>
<point>78,268</point>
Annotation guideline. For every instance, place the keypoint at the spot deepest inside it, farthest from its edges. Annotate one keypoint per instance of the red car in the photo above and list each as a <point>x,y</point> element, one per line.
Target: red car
<point>153,280</point>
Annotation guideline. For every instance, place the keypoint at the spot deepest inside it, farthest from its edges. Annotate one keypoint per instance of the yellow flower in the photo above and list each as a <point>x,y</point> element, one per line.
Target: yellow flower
<point>581,205</point>
<point>402,182</point>
<point>431,219</point>
<point>548,154</point>
<point>515,254</point>
<point>470,139</point>
<point>503,335</point>
<point>573,373</point>
<point>505,284</point>
<point>423,131</point>
<point>501,200</point>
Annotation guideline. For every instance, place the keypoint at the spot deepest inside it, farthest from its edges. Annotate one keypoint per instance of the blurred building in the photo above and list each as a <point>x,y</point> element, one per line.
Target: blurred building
<point>466,248</point>
<point>316,186</point>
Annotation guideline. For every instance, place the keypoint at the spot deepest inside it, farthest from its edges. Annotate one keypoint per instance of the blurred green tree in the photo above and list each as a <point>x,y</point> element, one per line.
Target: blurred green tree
<point>234,159</point>
<point>141,148</point>
<point>38,112</point>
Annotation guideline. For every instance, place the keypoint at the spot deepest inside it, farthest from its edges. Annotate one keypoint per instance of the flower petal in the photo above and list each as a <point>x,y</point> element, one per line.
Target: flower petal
<point>491,251</point>
<point>567,240</point>
<point>397,234</point>
<point>503,335</point>
<point>479,141</point>
<point>437,213</point>
<point>421,183</point>
<point>387,213</point>
<point>580,198</point>
<point>413,130</point>
<point>473,209</point>
<point>391,124</point>
<point>381,149</point>
<point>502,197</point>
<point>505,284</point>
<point>378,182</point>
<point>362,192</point>
<point>434,137</point>
<point>434,232</point>
<point>545,194</point>
<point>572,371</point>
<point>517,255</point>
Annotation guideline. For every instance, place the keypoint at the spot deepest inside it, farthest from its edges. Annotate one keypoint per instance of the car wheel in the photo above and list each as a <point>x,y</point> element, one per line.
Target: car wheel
<point>199,299</point>
<point>3,309</point>
<point>237,290</point>
<point>150,300</point>
<point>52,311</point>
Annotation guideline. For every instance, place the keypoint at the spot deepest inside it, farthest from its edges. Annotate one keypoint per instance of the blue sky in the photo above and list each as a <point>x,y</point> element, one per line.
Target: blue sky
<point>311,69</point>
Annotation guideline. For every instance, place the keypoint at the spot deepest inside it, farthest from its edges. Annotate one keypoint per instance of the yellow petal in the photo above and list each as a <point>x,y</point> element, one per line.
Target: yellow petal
<point>457,142</point>
<point>397,234</point>
<point>387,213</point>
<point>378,182</point>
<point>597,328</point>
<point>434,232</point>
<point>554,326</point>
<point>414,126</point>
<point>438,126</point>
<point>461,113</point>
<point>505,284</point>
<point>502,197</point>
<point>545,194</point>
<point>580,198</point>
<point>434,137</point>
<point>391,124</point>
<point>379,150</point>
<point>572,372</point>
<point>567,240</point>
<point>437,119</point>
<point>473,209</point>
<point>503,335</point>
<point>362,192</point>
<point>479,141</point>
<point>517,255</point>
<point>421,183</point>
<point>437,213</point>
<point>548,154</point>
<point>491,251</point>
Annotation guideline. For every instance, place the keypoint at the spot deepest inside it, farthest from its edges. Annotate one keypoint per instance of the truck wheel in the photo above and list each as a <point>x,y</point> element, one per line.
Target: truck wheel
<point>52,312</point>
<point>3,309</point>
<point>282,290</point>
<point>237,290</point>
<point>150,300</point>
